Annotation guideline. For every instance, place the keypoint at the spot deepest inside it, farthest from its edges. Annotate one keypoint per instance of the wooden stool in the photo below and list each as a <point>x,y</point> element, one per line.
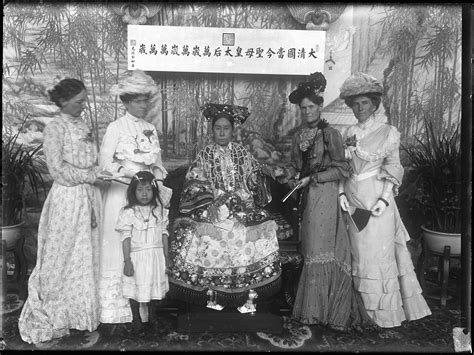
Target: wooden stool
<point>444,261</point>
<point>20,268</point>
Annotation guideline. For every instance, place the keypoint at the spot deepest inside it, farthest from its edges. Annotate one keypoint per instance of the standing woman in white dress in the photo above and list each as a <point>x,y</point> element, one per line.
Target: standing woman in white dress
<point>130,144</point>
<point>382,269</point>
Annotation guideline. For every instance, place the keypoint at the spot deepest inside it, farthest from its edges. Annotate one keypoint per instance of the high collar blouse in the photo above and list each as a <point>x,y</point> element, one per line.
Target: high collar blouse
<point>130,139</point>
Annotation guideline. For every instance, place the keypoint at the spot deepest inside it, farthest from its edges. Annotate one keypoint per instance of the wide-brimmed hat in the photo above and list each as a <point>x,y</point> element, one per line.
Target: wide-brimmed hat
<point>238,114</point>
<point>359,84</point>
<point>134,82</point>
<point>315,84</point>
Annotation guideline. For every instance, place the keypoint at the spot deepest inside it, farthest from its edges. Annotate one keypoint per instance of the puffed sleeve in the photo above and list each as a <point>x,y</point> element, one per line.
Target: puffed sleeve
<point>108,147</point>
<point>337,165</point>
<point>61,171</point>
<point>391,168</point>
<point>124,223</point>
<point>159,161</point>
<point>293,167</point>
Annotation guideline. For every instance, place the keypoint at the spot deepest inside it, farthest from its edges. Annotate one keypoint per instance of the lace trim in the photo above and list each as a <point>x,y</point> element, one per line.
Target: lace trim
<point>307,137</point>
<point>326,258</point>
<point>390,144</point>
<point>396,184</point>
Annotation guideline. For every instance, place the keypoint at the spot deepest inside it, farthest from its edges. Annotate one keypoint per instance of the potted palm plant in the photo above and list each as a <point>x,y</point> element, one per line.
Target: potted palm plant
<point>21,165</point>
<point>436,163</point>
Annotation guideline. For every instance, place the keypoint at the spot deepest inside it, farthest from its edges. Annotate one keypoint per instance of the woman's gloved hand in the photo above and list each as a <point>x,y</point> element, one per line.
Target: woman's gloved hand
<point>344,202</point>
<point>378,208</point>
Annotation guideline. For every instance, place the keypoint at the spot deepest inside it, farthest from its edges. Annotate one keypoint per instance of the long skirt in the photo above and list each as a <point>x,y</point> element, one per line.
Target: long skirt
<point>382,267</point>
<point>62,289</point>
<point>325,293</point>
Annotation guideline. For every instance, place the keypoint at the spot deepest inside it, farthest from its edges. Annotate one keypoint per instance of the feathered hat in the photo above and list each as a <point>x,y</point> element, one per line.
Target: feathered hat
<point>315,84</point>
<point>134,82</point>
<point>238,114</point>
<point>360,83</point>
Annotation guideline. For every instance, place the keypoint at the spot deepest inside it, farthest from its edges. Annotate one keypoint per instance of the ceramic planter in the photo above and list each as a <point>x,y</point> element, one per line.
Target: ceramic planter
<point>436,241</point>
<point>11,234</point>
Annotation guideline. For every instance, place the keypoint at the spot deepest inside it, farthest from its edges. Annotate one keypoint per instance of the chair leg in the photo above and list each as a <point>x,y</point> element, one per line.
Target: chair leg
<point>445,274</point>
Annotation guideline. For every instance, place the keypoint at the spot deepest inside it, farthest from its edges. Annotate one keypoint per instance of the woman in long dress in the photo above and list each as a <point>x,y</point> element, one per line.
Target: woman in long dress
<point>381,264</point>
<point>130,144</point>
<point>224,245</point>
<point>62,289</point>
<point>325,293</point>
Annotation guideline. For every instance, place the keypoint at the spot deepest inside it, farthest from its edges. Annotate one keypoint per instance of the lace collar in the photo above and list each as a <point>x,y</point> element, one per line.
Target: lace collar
<point>71,118</point>
<point>309,133</point>
<point>367,124</point>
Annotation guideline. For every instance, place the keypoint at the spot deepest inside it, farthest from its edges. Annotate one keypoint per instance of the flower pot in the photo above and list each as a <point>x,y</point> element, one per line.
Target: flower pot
<point>11,234</point>
<point>436,241</point>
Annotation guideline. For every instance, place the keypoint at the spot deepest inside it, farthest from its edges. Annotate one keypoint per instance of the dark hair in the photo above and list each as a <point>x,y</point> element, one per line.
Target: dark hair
<point>223,115</point>
<point>126,98</point>
<point>376,98</point>
<point>65,90</point>
<point>143,177</point>
<point>316,99</point>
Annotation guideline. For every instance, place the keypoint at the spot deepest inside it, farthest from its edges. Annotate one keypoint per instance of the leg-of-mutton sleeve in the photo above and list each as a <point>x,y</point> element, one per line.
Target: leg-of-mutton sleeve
<point>391,168</point>
<point>337,165</point>
<point>61,171</point>
<point>107,149</point>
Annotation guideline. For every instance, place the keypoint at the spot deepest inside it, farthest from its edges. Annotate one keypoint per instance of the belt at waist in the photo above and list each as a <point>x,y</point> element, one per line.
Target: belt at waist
<point>365,175</point>
<point>134,166</point>
<point>145,247</point>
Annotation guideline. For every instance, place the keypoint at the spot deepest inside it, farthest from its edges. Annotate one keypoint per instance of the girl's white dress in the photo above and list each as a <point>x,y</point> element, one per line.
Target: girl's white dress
<point>133,143</point>
<point>149,280</point>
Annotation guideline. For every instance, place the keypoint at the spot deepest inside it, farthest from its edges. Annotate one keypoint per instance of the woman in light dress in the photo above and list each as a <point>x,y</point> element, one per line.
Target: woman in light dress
<point>381,264</point>
<point>63,285</point>
<point>130,144</point>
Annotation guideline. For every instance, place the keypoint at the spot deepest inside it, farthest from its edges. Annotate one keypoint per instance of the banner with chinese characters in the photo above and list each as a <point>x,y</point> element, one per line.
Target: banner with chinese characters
<point>225,50</point>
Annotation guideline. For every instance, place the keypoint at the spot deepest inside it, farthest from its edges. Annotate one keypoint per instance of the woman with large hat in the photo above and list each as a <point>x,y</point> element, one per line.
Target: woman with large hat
<point>130,144</point>
<point>224,247</point>
<point>381,264</point>
<point>325,294</point>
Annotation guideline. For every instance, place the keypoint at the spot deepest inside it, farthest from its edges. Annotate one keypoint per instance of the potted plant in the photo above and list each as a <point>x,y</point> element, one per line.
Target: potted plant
<point>436,164</point>
<point>21,164</point>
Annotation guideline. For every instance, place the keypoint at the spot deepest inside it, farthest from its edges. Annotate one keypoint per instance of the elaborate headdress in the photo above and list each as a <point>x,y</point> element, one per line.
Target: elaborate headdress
<point>237,113</point>
<point>360,83</point>
<point>314,85</point>
<point>134,82</point>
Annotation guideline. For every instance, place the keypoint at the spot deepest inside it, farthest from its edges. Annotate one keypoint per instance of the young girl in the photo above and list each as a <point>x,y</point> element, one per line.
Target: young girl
<point>143,226</point>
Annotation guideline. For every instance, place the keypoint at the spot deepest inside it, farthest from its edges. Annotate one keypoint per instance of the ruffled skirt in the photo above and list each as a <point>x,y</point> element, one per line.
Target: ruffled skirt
<point>382,268</point>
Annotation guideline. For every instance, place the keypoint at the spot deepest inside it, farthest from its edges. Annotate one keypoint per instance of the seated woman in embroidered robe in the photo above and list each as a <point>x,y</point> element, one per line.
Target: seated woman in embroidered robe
<point>225,244</point>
